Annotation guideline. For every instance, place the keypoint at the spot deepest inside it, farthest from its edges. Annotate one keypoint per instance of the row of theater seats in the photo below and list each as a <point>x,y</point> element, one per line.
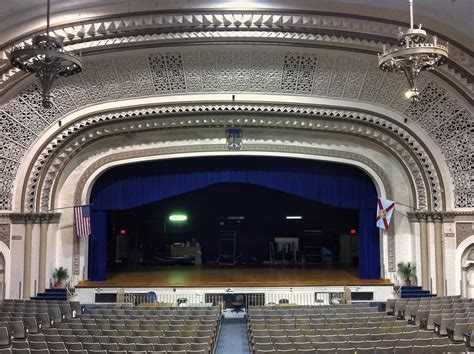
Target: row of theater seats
<point>357,328</point>
<point>156,312</point>
<point>450,316</point>
<point>108,330</point>
<point>404,308</point>
<point>310,310</point>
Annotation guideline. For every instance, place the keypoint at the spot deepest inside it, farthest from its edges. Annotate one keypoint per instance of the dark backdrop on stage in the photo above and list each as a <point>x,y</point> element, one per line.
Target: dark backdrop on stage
<point>142,237</point>
<point>333,184</point>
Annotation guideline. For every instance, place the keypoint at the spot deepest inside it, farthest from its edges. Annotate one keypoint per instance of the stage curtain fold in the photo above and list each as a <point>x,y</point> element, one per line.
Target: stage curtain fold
<point>333,184</point>
<point>97,266</point>
<point>369,245</point>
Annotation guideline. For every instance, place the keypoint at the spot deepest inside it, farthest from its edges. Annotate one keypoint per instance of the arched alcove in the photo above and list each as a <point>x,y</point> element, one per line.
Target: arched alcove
<point>462,263</point>
<point>467,269</point>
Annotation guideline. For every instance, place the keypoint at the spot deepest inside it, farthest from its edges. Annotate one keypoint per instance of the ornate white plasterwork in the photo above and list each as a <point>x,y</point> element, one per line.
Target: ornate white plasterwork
<point>242,68</point>
<point>398,141</point>
<point>139,29</point>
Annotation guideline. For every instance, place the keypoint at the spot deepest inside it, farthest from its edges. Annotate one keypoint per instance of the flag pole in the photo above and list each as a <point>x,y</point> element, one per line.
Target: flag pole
<point>69,207</point>
<point>408,206</point>
<point>397,202</point>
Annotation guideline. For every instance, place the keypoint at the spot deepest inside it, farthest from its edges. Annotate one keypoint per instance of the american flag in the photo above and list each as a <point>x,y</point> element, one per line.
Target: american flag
<point>82,219</point>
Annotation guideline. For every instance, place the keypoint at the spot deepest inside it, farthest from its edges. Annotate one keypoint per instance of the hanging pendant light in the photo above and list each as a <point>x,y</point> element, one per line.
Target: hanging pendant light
<point>46,58</point>
<point>413,55</point>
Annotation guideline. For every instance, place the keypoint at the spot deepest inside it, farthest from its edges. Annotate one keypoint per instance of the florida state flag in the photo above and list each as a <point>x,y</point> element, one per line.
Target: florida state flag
<point>384,212</point>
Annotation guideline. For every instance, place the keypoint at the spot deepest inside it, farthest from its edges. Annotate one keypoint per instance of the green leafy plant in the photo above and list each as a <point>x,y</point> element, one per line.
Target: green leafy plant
<point>59,275</point>
<point>407,271</point>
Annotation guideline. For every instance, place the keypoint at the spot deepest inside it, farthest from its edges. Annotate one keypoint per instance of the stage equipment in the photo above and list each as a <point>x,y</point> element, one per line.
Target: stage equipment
<point>182,250</point>
<point>227,247</point>
<point>312,252</point>
<point>46,58</point>
<point>286,250</point>
<point>413,55</point>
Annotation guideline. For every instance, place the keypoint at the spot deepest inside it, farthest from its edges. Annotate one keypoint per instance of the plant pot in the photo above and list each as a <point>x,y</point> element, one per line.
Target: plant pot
<point>408,282</point>
<point>58,284</point>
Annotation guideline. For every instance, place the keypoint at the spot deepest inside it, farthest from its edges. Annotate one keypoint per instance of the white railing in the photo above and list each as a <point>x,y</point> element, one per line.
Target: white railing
<point>310,298</point>
<point>158,298</point>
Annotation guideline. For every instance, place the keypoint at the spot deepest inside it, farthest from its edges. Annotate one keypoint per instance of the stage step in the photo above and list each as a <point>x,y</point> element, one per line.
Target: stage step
<point>59,294</point>
<point>415,292</point>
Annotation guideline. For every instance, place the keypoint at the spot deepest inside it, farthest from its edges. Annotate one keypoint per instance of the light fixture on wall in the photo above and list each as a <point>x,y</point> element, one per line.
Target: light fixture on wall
<point>413,55</point>
<point>46,58</point>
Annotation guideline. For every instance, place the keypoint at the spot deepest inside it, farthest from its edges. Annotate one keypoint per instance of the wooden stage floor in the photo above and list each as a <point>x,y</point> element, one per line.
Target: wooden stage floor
<point>241,276</point>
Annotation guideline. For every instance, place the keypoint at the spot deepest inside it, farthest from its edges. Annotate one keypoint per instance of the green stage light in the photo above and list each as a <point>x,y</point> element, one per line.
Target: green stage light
<point>178,217</point>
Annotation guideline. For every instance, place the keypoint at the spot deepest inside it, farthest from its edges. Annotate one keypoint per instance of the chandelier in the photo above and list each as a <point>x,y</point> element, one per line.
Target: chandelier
<point>413,55</point>
<point>46,58</point>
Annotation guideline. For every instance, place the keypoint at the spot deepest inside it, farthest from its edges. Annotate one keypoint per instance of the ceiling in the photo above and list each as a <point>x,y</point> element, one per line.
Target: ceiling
<point>453,18</point>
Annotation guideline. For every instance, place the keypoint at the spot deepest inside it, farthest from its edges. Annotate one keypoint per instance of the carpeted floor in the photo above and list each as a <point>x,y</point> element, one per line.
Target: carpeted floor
<point>233,337</point>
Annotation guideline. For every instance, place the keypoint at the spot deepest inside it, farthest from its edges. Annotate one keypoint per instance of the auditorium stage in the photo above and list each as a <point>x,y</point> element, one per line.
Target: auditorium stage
<point>239,276</point>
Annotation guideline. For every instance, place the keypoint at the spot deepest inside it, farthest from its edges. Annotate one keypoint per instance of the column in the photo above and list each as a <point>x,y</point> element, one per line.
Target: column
<point>27,259</point>
<point>44,222</point>
<point>439,253</point>
<point>425,268</point>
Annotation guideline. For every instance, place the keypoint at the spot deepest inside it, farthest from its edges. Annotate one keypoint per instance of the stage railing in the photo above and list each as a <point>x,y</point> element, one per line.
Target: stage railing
<point>163,299</point>
<point>309,298</point>
<point>224,300</point>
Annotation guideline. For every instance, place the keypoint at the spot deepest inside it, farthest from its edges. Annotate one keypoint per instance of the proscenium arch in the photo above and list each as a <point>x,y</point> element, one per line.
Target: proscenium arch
<point>72,123</point>
<point>269,148</point>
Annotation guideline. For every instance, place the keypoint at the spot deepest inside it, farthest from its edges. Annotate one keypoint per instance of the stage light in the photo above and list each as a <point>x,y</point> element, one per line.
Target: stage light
<point>123,232</point>
<point>178,217</point>
<point>294,217</point>
<point>353,232</point>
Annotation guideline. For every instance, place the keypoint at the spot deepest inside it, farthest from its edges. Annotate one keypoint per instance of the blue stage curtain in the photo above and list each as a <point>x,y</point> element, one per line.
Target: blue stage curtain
<point>369,245</point>
<point>97,266</point>
<point>333,184</point>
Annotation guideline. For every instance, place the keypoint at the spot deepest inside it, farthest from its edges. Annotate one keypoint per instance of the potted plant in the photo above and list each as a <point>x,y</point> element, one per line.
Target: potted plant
<point>59,275</point>
<point>407,271</point>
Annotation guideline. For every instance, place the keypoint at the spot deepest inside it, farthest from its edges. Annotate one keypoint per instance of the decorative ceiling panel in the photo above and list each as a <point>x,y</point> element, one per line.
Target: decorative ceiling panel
<point>310,28</point>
